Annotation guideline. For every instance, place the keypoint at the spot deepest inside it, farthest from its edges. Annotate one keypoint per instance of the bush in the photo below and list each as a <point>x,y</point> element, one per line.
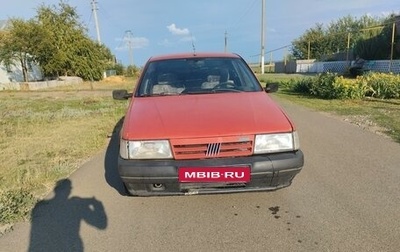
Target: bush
<point>303,86</point>
<point>323,86</point>
<point>350,88</point>
<point>332,86</point>
<point>384,86</point>
<point>326,88</point>
<point>132,71</point>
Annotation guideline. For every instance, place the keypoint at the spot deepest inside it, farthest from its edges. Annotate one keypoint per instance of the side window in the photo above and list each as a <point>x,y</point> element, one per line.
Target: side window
<point>245,77</point>
<point>146,84</point>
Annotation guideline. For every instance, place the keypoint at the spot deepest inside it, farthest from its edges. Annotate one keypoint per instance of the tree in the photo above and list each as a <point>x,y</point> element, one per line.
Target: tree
<point>57,41</point>
<point>90,59</point>
<point>55,53</point>
<point>66,49</point>
<point>132,71</point>
<point>119,68</point>
<point>338,36</point>
<point>17,44</point>
<point>313,41</point>
<point>375,43</point>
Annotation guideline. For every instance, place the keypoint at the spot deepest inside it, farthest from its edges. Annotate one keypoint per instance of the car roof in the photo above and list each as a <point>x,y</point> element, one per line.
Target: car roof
<point>194,55</point>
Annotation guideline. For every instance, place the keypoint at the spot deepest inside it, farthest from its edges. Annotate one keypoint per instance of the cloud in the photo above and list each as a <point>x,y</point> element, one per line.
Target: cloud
<point>187,39</point>
<point>166,43</point>
<point>140,42</point>
<point>135,42</point>
<point>183,36</point>
<point>178,31</point>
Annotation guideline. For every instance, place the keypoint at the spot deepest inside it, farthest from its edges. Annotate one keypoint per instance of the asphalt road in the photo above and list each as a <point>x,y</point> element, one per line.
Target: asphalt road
<point>346,198</point>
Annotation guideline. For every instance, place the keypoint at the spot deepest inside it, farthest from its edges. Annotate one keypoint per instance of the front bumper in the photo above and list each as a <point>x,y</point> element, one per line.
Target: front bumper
<point>160,177</point>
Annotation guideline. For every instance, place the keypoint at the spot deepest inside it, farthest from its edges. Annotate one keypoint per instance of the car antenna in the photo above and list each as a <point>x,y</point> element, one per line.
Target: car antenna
<point>193,46</point>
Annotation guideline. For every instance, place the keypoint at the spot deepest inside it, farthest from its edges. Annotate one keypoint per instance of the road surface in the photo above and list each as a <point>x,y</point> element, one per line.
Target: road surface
<point>346,198</point>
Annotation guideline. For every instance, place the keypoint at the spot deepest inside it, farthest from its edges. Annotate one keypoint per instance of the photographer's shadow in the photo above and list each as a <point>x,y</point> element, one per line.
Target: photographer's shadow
<point>55,222</point>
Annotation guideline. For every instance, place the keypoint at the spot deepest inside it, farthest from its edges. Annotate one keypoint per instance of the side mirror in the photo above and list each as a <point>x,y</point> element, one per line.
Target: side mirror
<point>121,94</point>
<point>271,87</point>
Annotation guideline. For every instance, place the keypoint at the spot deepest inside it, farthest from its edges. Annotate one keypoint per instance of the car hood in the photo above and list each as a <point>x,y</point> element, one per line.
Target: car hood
<point>203,115</point>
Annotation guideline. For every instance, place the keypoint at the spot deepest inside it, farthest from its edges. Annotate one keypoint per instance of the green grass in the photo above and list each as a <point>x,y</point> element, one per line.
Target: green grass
<point>273,77</point>
<point>46,135</point>
<point>382,116</point>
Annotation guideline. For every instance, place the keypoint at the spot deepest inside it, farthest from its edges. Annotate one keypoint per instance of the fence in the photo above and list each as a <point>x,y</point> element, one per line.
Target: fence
<point>311,66</point>
<point>63,81</point>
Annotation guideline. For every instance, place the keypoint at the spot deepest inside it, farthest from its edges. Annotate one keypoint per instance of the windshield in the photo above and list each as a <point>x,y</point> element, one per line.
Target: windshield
<point>197,76</point>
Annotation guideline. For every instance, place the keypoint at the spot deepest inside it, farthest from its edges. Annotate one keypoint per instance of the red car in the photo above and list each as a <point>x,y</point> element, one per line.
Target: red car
<point>202,123</point>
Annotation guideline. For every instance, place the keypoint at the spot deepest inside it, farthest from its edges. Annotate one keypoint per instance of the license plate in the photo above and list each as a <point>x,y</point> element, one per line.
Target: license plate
<point>214,174</point>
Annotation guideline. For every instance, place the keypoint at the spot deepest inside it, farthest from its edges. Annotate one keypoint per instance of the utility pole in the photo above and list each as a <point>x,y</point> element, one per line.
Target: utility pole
<point>392,46</point>
<point>348,48</point>
<point>129,38</point>
<point>94,10</point>
<point>262,36</point>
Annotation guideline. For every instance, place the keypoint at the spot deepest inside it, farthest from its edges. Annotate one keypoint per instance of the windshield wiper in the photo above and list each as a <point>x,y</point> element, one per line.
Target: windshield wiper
<point>199,92</point>
<point>222,90</point>
<point>211,91</point>
<point>158,94</point>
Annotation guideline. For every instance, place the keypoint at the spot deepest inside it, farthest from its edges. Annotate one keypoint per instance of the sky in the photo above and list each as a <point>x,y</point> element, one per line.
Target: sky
<point>136,30</point>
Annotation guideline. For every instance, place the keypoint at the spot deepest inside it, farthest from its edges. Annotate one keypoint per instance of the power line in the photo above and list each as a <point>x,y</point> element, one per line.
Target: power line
<point>89,22</point>
<point>374,27</point>
<point>274,50</point>
<point>238,20</point>
<point>122,41</point>
<point>381,26</point>
<point>103,12</point>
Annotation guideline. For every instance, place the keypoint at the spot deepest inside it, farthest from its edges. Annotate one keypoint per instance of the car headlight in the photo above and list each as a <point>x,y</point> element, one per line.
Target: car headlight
<point>269,143</point>
<point>157,149</point>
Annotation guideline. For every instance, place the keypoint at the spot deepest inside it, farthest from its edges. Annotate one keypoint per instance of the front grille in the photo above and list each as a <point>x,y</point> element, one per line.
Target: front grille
<point>201,148</point>
<point>213,149</point>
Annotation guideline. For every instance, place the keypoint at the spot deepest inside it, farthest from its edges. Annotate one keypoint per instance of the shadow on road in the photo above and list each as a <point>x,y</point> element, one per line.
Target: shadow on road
<point>56,221</point>
<point>111,160</point>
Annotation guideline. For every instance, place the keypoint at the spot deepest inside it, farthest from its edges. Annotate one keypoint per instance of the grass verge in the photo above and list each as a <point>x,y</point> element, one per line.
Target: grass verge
<point>379,115</point>
<point>46,135</point>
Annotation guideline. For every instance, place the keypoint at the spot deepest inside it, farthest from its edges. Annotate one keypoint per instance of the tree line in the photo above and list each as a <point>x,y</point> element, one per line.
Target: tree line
<point>57,41</point>
<point>367,37</point>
